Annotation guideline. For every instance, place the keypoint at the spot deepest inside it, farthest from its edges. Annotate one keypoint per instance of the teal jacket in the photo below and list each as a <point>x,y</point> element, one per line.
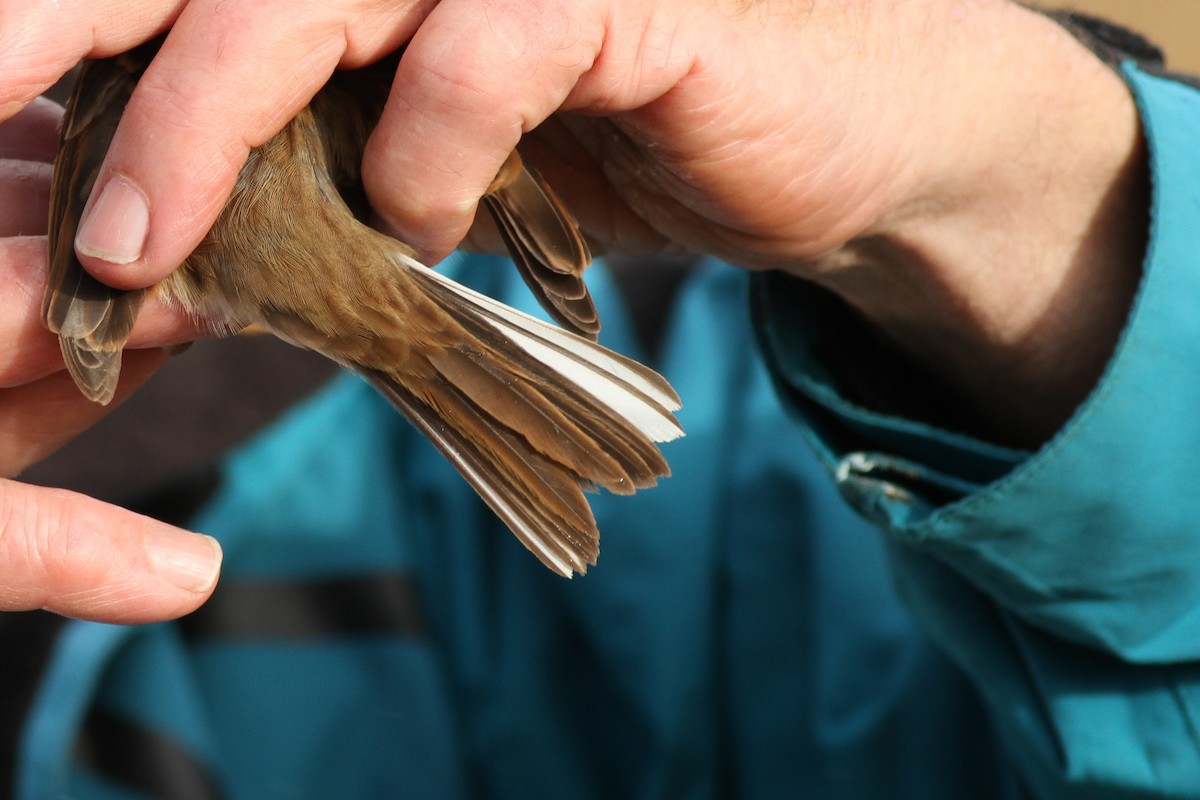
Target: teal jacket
<point>822,601</point>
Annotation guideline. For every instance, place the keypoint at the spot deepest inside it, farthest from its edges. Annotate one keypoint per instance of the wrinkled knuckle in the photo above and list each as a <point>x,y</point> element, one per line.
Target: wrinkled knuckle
<point>18,556</point>
<point>23,547</point>
<point>458,84</point>
<point>167,103</point>
<point>44,524</point>
<point>374,27</point>
<point>37,536</point>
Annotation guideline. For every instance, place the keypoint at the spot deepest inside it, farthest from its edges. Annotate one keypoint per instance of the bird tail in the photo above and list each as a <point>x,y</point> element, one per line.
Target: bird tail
<point>532,416</point>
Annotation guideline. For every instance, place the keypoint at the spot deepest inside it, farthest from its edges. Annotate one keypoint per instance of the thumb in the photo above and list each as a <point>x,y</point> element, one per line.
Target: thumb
<point>79,557</point>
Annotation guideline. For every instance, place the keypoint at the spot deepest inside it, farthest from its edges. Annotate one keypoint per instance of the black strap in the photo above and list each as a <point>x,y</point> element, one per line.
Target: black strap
<point>1112,43</point>
<point>384,604</point>
<point>143,759</point>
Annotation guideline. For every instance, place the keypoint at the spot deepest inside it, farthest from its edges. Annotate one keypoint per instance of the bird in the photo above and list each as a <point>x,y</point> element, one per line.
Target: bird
<point>532,414</point>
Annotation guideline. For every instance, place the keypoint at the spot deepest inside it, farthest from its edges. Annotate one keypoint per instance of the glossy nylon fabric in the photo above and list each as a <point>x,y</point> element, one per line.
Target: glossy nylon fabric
<point>739,636</point>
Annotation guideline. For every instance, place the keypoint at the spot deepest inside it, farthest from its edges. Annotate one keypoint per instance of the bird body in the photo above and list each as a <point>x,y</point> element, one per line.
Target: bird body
<point>530,414</point>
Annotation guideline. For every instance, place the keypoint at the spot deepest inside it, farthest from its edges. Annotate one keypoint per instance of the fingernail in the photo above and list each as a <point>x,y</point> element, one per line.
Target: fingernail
<point>114,229</point>
<point>191,561</point>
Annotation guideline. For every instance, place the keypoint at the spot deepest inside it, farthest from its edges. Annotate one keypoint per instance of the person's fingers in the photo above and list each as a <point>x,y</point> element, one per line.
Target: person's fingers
<point>227,78</point>
<point>476,77</point>
<point>30,351</point>
<point>79,557</point>
<point>41,39</point>
<point>28,143</point>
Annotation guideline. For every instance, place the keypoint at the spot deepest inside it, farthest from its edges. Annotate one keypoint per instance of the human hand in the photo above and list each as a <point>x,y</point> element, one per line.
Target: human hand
<point>655,113</point>
<point>59,550</point>
<point>886,150</point>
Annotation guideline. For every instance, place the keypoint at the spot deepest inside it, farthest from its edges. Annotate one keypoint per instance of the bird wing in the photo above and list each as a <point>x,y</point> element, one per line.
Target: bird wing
<point>545,243</point>
<point>93,320</point>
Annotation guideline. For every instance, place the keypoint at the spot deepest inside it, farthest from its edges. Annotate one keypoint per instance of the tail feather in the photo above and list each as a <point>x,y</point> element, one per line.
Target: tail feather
<point>563,347</point>
<point>492,388</point>
<point>95,367</point>
<point>93,320</point>
<point>532,416</point>
<point>507,476</point>
<point>557,418</point>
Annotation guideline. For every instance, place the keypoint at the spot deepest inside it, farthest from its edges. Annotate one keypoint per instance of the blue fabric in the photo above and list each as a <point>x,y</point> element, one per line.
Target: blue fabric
<point>741,635</point>
<point>1067,582</point>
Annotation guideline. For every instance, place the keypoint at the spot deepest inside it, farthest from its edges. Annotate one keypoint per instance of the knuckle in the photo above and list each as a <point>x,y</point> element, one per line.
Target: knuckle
<point>22,552</point>
<point>38,537</point>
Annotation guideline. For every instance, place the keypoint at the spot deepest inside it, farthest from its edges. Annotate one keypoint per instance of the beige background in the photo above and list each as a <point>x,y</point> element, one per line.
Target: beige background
<point>1173,25</point>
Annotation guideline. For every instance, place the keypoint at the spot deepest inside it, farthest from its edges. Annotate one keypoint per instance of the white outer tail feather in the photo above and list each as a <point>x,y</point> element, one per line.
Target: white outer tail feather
<point>644,404</point>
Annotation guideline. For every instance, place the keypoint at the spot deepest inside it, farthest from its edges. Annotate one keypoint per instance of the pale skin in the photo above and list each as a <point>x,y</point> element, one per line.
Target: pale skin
<point>962,172</point>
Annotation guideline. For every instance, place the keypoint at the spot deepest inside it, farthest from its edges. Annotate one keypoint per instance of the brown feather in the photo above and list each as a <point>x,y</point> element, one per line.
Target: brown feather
<point>94,320</point>
<point>639,459</point>
<point>553,520</point>
<point>545,244</point>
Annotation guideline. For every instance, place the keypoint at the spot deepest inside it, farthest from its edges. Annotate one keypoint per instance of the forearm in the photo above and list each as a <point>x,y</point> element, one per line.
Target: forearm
<point>1092,536</point>
<point>1008,270</point>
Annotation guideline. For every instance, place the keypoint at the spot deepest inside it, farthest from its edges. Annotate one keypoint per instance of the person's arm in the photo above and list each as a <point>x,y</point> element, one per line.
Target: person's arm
<point>1006,273</point>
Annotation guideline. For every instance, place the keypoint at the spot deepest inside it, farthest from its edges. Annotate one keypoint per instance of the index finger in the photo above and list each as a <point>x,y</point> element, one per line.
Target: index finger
<point>478,76</point>
<point>228,77</point>
<point>40,40</point>
<point>474,78</point>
